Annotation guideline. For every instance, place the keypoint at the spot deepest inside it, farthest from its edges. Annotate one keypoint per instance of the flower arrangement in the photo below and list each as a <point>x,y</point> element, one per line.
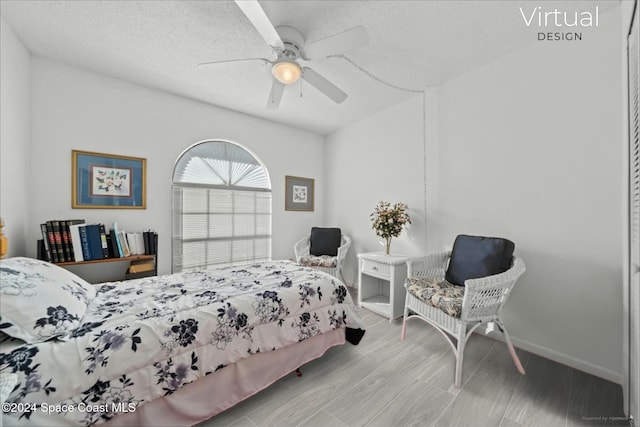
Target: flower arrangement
<point>389,221</point>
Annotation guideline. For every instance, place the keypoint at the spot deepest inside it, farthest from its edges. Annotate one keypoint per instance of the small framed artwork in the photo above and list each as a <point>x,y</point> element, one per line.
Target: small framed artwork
<point>299,194</point>
<point>107,181</point>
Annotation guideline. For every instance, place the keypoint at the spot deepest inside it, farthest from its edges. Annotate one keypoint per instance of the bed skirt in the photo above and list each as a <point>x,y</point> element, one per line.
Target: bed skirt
<point>210,395</point>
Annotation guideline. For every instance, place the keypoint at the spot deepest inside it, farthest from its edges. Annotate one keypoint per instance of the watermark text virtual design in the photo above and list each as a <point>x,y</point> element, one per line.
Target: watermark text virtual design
<point>564,22</point>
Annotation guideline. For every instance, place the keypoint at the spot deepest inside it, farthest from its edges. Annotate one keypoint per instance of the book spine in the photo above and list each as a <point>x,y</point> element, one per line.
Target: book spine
<point>95,243</point>
<point>154,245</point>
<point>136,244</point>
<point>116,239</point>
<point>52,242</point>
<point>151,243</point>
<point>84,238</point>
<point>147,245</point>
<point>110,246</point>
<point>66,241</point>
<point>41,251</point>
<point>131,243</point>
<point>140,243</point>
<point>103,241</point>
<point>76,242</point>
<point>57,234</point>
<point>155,252</point>
<point>122,238</point>
<point>47,245</point>
<point>72,252</point>
<point>117,246</point>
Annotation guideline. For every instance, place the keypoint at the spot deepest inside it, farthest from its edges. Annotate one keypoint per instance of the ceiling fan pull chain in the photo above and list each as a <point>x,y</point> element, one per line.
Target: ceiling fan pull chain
<point>300,88</point>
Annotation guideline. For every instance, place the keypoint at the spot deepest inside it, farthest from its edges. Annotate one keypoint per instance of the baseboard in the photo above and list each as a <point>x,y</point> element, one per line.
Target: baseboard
<point>581,365</point>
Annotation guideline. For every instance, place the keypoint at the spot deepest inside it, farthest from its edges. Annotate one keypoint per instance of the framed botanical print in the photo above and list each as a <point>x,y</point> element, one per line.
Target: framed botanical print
<point>299,193</point>
<point>107,181</point>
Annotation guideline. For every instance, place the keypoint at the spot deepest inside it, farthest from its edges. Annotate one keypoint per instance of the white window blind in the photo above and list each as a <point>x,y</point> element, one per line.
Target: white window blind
<point>221,209</point>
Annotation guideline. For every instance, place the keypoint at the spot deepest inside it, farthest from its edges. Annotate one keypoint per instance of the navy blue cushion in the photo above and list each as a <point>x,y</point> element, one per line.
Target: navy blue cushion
<point>473,257</point>
<point>325,241</point>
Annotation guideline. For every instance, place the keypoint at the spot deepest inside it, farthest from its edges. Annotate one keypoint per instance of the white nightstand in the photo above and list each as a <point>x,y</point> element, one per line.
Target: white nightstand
<point>381,283</point>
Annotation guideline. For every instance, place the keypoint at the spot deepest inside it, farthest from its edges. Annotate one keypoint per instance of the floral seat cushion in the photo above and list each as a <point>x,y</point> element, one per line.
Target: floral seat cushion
<point>438,293</point>
<point>325,261</point>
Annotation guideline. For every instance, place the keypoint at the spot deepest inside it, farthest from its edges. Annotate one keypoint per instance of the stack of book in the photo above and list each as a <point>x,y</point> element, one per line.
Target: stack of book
<point>56,240</point>
<point>126,244</point>
<point>74,240</point>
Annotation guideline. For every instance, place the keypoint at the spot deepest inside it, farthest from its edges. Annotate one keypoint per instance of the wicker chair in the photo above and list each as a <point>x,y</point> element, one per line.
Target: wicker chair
<point>331,265</point>
<point>482,302</point>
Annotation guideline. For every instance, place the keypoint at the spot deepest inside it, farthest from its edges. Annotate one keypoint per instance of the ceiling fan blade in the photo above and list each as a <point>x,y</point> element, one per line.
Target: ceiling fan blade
<point>323,85</point>
<point>226,61</point>
<point>254,12</point>
<point>275,95</point>
<point>347,40</point>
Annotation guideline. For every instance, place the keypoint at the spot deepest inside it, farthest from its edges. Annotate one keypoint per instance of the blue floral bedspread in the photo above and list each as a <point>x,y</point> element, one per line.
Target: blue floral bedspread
<point>146,338</point>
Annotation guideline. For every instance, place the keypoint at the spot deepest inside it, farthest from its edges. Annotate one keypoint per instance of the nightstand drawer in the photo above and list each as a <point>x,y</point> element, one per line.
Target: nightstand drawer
<point>381,283</point>
<point>376,268</point>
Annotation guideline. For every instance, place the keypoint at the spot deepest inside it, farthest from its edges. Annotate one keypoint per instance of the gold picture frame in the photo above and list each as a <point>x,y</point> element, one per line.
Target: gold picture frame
<point>107,181</point>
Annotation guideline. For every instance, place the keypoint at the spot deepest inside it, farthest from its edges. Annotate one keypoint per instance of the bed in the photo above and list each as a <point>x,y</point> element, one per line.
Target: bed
<point>166,350</point>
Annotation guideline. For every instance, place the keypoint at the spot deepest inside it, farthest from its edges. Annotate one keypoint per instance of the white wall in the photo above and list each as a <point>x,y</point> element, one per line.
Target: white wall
<point>527,147</point>
<point>380,158</point>
<point>14,138</point>
<point>532,153</point>
<point>75,109</point>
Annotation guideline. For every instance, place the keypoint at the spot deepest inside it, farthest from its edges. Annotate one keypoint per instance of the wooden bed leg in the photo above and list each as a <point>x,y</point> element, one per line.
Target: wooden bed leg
<point>298,372</point>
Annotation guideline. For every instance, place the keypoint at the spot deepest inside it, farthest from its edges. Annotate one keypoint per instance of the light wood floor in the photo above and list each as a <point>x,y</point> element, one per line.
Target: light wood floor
<point>388,382</point>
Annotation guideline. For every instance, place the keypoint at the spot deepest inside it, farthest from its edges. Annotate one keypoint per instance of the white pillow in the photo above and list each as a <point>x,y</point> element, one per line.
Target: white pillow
<point>40,300</point>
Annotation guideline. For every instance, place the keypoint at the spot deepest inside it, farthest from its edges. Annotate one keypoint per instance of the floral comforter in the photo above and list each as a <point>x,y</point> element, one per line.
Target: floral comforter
<point>146,338</point>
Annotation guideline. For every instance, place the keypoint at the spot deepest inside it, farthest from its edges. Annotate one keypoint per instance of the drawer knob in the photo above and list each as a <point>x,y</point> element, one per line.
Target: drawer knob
<point>374,268</point>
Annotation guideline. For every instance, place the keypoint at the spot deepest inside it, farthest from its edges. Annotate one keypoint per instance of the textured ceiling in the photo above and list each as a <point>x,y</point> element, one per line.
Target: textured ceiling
<point>413,44</point>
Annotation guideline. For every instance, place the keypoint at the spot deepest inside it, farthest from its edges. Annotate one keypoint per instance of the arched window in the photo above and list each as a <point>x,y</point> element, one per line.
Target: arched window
<point>221,207</point>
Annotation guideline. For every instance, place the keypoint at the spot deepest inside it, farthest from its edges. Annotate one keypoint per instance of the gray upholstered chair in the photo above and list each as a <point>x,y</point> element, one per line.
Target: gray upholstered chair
<point>487,272</point>
<point>325,249</point>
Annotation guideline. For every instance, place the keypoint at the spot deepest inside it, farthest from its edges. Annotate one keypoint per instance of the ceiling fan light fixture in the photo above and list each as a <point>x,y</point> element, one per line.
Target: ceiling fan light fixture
<point>286,72</point>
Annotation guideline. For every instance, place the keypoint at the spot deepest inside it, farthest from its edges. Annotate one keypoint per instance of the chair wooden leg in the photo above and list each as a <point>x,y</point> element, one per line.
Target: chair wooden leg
<point>404,322</point>
<point>460,355</point>
<point>516,360</point>
<point>512,350</point>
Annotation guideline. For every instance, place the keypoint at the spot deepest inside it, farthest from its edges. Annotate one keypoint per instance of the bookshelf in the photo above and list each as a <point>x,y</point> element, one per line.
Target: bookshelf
<point>110,269</point>
<point>95,261</point>
<point>96,252</point>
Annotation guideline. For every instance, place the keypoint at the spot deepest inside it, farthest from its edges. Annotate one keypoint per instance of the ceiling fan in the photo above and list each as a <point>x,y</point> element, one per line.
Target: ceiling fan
<point>289,48</point>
